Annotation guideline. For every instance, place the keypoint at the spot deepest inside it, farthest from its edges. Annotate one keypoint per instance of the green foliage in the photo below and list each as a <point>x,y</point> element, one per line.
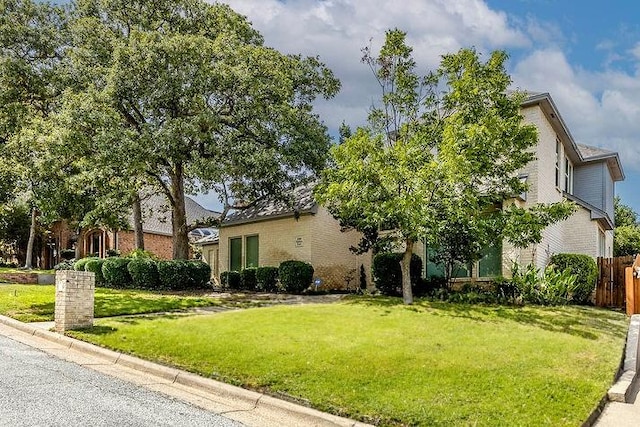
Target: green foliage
<point>79,265</point>
<point>142,254</point>
<point>584,268</point>
<point>551,287</point>
<point>94,265</point>
<point>387,274</point>
<point>15,221</point>
<point>67,254</point>
<point>231,280</point>
<point>624,216</point>
<point>116,274</point>
<point>183,275</point>
<point>144,273</point>
<point>248,278</point>
<point>295,276</point>
<point>65,265</point>
<point>626,240</point>
<point>267,279</point>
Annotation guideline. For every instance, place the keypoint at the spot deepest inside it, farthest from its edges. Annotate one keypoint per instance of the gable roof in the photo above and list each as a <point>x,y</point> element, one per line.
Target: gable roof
<point>156,214</point>
<point>579,153</point>
<point>303,203</point>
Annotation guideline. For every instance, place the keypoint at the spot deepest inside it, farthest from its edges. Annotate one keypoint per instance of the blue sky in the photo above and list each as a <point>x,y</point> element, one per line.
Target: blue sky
<point>586,54</point>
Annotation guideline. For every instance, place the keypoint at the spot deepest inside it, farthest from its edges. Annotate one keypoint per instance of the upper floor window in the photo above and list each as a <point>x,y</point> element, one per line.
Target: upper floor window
<point>568,176</point>
<point>558,161</point>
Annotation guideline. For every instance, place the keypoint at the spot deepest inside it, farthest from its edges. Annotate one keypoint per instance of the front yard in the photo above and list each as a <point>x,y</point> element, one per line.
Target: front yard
<point>376,360</point>
<point>35,303</point>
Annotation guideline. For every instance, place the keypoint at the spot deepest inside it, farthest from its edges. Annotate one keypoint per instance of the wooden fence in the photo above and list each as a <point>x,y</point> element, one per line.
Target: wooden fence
<point>610,288</point>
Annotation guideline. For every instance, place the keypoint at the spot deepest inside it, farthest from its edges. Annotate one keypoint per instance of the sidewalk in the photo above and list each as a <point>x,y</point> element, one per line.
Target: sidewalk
<point>248,407</point>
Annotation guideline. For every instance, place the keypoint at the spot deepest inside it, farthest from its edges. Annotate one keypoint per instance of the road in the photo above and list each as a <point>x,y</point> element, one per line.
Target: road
<point>37,389</point>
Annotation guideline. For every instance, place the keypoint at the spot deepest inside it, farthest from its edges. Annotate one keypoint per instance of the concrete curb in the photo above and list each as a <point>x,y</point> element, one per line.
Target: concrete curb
<point>620,391</point>
<point>250,400</point>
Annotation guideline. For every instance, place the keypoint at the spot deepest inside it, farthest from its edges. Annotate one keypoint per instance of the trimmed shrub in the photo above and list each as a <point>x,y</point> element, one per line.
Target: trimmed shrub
<point>67,254</point>
<point>586,271</point>
<point>231,279</point>
<point>267,279</point>
<point>142,253</point>
<point>295,276</point>
<point>248,278</point>
<point>387,273</point>
<point>65,265</point>
<point>199,273</point>
<point>94,265</point>
<point>115,272</point>
<point>144,273</point>
<point>79,264</point>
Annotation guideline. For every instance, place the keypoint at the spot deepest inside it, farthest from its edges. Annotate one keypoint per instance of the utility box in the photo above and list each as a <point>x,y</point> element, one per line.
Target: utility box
<point>74,299</point>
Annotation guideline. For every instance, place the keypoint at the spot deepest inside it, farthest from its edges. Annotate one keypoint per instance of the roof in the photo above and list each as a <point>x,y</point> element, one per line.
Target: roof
<point>579,153</point>
<point>303,203</point>
<point>208,240</point>
<point>156,214</point>
<point>596,213</point>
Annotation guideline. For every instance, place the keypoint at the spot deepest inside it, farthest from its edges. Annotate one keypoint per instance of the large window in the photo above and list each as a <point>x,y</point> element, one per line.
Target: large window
<point>235,254</point>
<point>251,254</point>
<point>490,265</point>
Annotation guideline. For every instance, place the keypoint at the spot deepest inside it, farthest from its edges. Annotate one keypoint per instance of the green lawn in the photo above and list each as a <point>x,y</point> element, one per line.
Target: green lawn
<point>22,270</point>
<point>379,361</point>
<point>35,303</point>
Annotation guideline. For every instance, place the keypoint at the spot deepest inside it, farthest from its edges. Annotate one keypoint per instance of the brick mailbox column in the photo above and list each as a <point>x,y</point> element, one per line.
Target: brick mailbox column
<point>74,299</point>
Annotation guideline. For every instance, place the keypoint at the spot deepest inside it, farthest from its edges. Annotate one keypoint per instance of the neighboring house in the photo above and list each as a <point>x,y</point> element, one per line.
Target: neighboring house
<point>562,169</point>
<point>269,233</point>
<point>157,229</point>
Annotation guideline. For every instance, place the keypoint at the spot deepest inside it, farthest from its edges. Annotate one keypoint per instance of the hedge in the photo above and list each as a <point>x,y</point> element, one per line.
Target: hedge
<point>116,274</point>
<point>295,276</point>
<point>231,279</point>
<point>79,264</point>
<point>248,278</point>
<point>584,268</point>
<point>144,273</point>
<point>267,279</point>
<point>181,275</point>
<point>94,265</point>
<point>387,273</point>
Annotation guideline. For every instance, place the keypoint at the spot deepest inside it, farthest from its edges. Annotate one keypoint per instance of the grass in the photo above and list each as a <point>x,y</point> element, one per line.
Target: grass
<point>35,303</point>
<point>379,361</point>
<point>22,270</point>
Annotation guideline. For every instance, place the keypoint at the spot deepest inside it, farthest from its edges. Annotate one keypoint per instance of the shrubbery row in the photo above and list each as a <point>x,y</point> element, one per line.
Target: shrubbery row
<point>143,272</point>
<point>291,276</point>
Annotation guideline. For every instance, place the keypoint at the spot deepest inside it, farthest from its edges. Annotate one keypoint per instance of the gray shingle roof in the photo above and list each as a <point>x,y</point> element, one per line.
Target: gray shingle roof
<point>588,151</point>
<point>156,214</point>
<point>303,202</point>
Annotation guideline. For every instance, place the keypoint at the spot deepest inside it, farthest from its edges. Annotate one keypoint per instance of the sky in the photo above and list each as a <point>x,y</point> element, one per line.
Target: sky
<point>585,53</point>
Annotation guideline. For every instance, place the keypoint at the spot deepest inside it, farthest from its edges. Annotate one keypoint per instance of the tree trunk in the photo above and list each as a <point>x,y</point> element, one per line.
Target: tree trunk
<point>405,265</point>
<point>137,222</point>
<point>79,243</point>
<point>28,262</point>
<point>179,215</point>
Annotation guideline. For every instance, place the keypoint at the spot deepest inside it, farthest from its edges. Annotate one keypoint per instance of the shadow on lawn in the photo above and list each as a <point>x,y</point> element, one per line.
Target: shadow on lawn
<point>584,322</point>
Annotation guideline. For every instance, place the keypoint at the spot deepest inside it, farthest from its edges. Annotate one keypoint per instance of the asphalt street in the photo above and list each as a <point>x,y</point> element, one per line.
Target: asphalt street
<point>37,389</point>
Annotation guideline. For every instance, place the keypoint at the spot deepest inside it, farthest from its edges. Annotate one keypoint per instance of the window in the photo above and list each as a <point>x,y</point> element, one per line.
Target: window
<point>568,176</point>
<point>558,161</point>
<point>490,264</point>
<point>601,244</point>
<point>251,254</point>
<point>235,254</point>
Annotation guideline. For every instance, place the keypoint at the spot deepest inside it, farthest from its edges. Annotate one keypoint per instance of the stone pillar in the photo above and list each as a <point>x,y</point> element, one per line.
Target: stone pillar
<point>74,299</point>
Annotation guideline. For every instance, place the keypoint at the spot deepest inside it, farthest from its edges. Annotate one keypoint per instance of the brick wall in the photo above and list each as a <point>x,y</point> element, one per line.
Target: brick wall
<point>23,278</point>
<point>159,244</point>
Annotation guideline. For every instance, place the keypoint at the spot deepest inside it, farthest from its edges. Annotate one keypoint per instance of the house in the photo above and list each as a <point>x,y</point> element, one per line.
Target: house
<point>272,232</point>
<point>563,169</point>
<point>156,226</point>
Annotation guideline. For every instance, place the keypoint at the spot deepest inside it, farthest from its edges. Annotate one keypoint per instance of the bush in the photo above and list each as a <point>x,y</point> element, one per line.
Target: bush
<point>552,287</point>
<point>67,254</point>
<point>115,272</point>
<point>180,275</point>
<point>267,279</point>
<point>144,273</point>
<point>387,273</point>
<point>586,271</point>
<point>94,265</point>
<point>65,265</point>
<point>231,279</point>
<point>295,276</point>
<point>248,278</point>
<point>142,253</point>
<point>79,265</point>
